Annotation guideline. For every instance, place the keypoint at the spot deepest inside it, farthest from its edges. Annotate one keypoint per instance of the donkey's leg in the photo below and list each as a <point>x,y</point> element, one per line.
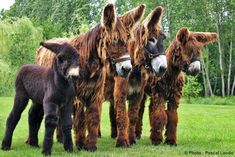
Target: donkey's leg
<point>66,126</point>
<point>172,121</point>
<point>120,94</point>
<point>92,123</point>
<point>50,125</point>
<point>139,124</point>
<point>99,131</point>
<point>158,118</point>
<point>35,117</point>
<point>133,111</point>
<point>79,125</point>
<point>172,115</point>
<point>112,116</point>
<point>59,132</point>
<point>20,103</point>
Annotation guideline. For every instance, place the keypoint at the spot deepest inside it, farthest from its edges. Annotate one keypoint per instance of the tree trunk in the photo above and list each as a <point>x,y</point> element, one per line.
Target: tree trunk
<point>230,64</point>
<point>232,90</point>
<point>220,61</point>
<point>208,83</point>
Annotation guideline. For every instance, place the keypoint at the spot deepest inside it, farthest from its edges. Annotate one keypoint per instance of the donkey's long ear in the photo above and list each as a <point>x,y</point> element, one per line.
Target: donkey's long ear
<point>53,46</point>
<point>108,20</point>
<point>205,37</point>
<point>153,20</point>
<point>183,35</point>
<point>132,17</point>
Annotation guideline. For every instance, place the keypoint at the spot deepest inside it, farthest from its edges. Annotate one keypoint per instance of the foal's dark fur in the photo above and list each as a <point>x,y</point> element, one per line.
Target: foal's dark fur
<point>48,88</point>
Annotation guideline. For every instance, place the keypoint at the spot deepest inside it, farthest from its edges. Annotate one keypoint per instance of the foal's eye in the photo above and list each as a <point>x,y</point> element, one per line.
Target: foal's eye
<point>60,59</point>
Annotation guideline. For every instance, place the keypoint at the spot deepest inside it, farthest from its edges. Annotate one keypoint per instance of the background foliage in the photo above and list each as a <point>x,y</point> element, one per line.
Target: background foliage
<point>27,22</point>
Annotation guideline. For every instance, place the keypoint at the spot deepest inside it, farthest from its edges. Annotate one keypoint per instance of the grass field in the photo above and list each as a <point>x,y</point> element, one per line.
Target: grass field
<point>202,129</point>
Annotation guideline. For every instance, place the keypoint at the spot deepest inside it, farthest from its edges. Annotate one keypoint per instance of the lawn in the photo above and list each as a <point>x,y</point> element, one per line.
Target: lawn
<point>202,129</point>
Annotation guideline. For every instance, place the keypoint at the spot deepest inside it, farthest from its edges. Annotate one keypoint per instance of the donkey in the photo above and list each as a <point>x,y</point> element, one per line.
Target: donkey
<point>96,47</point>
<point>48,88</point>
<point>183,55</point>
<point>148,58</point>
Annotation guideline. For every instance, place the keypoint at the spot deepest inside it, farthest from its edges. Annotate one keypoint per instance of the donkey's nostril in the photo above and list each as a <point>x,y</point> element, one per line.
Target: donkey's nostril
<point>162,69</point>
<point>126,70</point>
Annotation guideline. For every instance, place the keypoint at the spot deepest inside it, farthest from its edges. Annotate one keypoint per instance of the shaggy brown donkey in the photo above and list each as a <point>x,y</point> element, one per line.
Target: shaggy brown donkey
<point>148,58</point>
<point>183,55</point>
<point>104,43</point>
<point>48,88</point>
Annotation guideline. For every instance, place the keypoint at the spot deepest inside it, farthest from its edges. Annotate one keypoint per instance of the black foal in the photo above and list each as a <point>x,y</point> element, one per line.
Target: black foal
<point>50,89</point>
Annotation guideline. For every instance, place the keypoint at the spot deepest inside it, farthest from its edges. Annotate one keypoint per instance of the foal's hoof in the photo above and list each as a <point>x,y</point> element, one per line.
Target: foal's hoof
<point>69,150</point>
<point>171,142</point>
<point>113,135</point>
<point>90,148</point>
<point>5,145</point>
<point>46,153</point>
<point>59,139</point>
<point>32,143</point>
<point>122,143</point>
<point>6,148</point>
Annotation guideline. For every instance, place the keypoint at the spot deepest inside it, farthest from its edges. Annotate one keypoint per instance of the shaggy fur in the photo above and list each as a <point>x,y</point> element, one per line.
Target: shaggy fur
<point>49,89</point>
<point>117,89</point>
<point>182,53</point>
<point>98,48</point>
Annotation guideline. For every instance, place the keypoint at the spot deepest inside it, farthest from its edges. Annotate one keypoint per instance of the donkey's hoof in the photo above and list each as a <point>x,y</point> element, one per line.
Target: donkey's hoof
<point>171,142</point>
<point>90,148</point>
<point>122,143</point>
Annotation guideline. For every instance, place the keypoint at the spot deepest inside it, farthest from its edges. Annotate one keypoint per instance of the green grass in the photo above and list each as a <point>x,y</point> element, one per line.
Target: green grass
<point>201,128</point>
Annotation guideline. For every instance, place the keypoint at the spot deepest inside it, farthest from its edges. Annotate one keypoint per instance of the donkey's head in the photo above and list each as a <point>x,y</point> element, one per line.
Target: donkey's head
<point>66,62</point>
<point>117,48</point>
<point>150,38</point>
<point>189,48</point>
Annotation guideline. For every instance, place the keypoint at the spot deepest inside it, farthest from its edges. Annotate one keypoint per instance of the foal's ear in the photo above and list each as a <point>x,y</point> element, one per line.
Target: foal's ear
<point>132,17</point>
<point>205,37</point>
<point>53,46</point>
<point>108,20</point>
<point>183,35</point>
<point>153,20</point>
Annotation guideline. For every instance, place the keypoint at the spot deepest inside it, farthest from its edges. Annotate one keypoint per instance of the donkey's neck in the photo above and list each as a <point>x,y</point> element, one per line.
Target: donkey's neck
<point>174,60</point>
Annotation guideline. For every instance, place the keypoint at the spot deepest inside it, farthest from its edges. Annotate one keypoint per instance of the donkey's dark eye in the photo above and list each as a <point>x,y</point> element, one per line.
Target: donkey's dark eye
<point>60,59</point>
<point>152,39</point>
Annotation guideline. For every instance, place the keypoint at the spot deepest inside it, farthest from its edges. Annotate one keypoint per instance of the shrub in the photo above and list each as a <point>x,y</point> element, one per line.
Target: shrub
<point>192,88</point>
<point>19,40</point>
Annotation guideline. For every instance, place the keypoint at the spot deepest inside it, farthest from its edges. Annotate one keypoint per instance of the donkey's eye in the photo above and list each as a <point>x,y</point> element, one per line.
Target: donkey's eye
<point>60,59</point>
<point>115,41</point>
<point>152,40</point>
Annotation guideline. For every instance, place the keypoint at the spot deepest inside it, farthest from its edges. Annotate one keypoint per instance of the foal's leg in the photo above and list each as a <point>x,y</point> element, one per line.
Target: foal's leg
<point>66,126</point>
<point>59,133</point>
<point>112,116</point>
<point>139,124</point>
<point>35,117</point>
<point>50,125</point>
<point>20,103</point>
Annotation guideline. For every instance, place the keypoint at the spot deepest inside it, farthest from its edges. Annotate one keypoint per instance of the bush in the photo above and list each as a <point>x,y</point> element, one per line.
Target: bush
<point>192,87</point>
<point>19,40</point>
